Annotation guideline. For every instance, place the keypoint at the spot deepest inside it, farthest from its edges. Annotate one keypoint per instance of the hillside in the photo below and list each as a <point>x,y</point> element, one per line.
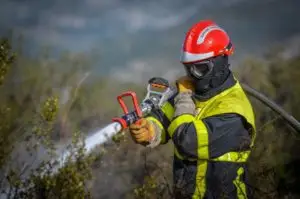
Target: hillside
<point>47,101</point>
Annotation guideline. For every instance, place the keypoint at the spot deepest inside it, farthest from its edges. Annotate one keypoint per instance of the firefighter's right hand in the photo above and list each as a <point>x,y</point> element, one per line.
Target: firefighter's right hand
<point>142,132</point>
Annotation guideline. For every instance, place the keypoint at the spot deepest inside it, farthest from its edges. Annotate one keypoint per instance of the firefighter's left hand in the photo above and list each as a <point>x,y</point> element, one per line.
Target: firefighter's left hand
<point>184,84</point>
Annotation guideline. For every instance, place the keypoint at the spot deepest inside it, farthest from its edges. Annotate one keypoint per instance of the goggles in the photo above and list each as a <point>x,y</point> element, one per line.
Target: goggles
<point>199,69</point>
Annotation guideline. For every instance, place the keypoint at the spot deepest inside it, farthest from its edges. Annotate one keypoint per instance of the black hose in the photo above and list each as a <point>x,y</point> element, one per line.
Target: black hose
<point>275,107</point>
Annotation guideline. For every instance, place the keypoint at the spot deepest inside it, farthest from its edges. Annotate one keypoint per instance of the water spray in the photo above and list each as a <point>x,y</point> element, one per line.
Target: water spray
<point>158,91</point>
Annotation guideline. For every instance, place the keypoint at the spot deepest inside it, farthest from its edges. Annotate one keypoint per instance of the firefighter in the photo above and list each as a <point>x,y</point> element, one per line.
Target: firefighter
<point>210,120</point>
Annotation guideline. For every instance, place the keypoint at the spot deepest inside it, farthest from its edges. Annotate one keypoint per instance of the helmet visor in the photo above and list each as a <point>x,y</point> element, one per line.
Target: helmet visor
<point>199,69</point>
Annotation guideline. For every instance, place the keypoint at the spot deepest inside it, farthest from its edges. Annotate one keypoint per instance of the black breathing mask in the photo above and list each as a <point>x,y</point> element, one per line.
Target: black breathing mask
<point>208,75</point>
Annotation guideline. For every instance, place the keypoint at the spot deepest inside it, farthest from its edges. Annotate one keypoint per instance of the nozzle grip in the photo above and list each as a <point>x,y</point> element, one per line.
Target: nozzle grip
<point>134,100</point>
<point>131,117</point>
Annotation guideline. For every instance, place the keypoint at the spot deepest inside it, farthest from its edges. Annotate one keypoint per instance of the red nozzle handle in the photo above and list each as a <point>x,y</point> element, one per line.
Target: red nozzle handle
<point>134,100</point>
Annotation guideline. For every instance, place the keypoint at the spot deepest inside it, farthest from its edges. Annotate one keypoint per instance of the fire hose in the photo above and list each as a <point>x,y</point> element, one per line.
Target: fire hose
<point>275,107</point>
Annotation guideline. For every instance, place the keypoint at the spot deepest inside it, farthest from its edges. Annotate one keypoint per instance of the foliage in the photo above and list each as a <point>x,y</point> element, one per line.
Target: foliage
<point>44,102</point>
<point>274,160</point>
<point>68,182</point>
<point>6,60</point>
<point>145,190</point>
<point>45,179</point>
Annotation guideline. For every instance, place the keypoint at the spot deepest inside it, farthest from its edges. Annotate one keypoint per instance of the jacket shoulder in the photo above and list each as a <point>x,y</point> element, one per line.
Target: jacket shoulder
<point>233,101</point>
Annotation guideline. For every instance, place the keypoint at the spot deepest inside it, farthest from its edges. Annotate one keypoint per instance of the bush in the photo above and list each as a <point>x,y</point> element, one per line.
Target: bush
<point>45,179</point>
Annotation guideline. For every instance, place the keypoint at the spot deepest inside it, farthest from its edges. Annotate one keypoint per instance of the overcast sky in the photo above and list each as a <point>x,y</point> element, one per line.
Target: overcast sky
<point>140,39</point>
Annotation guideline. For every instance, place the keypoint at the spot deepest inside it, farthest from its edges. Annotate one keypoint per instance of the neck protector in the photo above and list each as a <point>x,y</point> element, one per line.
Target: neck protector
<point>212,83</point>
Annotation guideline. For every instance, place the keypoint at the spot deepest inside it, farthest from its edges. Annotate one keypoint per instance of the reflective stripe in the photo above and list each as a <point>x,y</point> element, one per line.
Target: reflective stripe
<point>200,180</point>
<point>202,139</point>
<point>163,135</point>
<point>186,57</point>
<point>233,157</point>
<point>202,142</point>
<point>168,110</point>
<point>178,155</point>
<point>205,32</point>
<point>156,121</point>
<point>222,103</point>
<point>253,138</point>
<point>240,185</point>
<point>185,118</point>
<point>203,155</point>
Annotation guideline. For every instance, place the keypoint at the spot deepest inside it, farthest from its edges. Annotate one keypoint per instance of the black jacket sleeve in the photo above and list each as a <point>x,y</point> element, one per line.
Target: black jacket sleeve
<point>224,133</point>
<point>162,117</point>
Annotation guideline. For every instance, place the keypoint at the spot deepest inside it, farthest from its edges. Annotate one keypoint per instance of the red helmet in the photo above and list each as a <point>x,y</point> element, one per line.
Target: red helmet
<point>205,40</point>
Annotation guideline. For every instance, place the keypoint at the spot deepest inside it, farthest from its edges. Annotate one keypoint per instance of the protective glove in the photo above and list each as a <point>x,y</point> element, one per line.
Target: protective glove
<point>183,102</point>
<point>142,132</point>
<point>184,84</point>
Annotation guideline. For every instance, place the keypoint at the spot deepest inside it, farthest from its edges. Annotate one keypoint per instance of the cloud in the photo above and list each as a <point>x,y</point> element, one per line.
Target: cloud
<point>63,24</point>
<point>292,48</point>
<point>103,3</point>
<point>139,71</point>
<point>38,35</point>
<point>67,21</point>
<point>137,19</point>
<point>136,30</point>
